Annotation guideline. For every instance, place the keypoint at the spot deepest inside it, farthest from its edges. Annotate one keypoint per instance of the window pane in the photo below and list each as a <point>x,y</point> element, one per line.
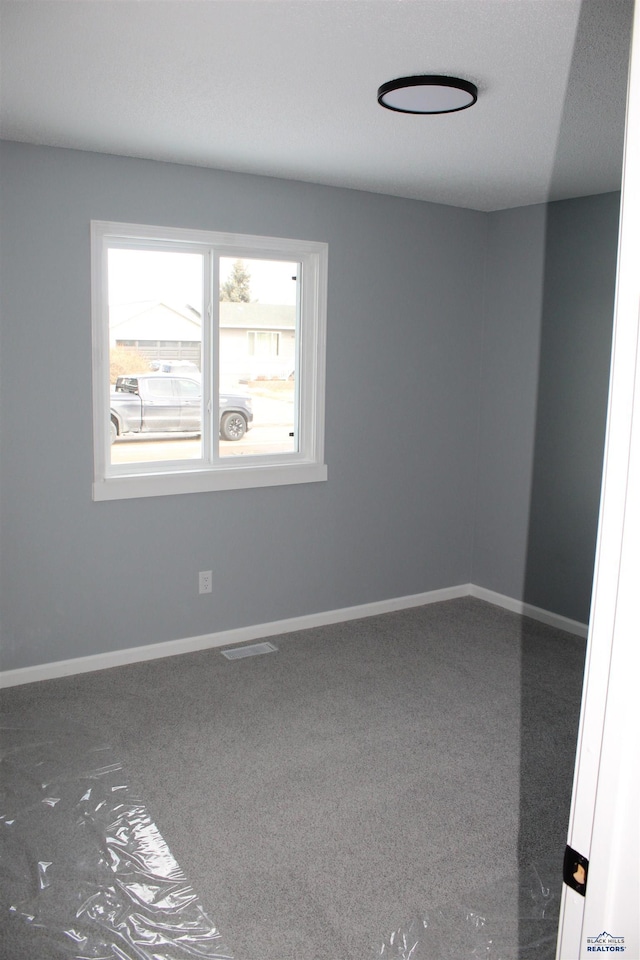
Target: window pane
<point>187,388</point>
<point>258,355</point>
<point>160,389</point>
<point>155,340</point>
<point>263,343</point>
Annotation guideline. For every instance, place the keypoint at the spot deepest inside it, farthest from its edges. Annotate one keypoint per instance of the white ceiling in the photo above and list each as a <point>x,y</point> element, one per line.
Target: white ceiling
<point>288,88</point>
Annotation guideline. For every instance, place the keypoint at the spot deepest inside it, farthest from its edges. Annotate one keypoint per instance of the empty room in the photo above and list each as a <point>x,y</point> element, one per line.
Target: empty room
<point>307,313</point>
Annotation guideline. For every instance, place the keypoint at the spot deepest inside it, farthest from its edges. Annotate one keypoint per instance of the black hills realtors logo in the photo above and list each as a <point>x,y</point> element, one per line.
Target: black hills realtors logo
<point>605,943</point>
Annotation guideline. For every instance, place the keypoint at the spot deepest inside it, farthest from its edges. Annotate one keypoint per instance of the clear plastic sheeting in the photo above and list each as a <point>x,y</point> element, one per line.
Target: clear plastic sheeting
<point>516,917</point>
<point>84,871</point>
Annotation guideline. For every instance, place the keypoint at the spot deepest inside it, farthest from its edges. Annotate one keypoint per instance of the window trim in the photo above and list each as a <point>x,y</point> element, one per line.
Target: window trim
<point>306,465</point>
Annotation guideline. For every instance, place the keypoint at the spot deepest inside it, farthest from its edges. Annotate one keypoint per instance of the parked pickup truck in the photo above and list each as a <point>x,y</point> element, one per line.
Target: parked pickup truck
<point>162,403</point>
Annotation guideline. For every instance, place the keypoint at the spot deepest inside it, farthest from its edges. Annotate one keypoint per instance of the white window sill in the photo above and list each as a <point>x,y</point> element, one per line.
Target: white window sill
<point>205,481</point>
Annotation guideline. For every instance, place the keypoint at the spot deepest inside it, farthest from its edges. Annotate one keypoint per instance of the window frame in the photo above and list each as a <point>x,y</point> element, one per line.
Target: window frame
<point>212,472</point>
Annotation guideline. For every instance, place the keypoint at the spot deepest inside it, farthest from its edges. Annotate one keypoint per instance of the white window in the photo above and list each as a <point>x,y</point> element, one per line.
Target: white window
<point>208,360</point>
<point>263,343</point>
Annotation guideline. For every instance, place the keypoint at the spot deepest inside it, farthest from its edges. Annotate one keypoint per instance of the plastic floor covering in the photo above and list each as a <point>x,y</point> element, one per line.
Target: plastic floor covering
<point>86,874</point>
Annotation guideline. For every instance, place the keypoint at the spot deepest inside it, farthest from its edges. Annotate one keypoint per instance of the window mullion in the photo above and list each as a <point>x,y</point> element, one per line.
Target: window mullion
<point>298,428</point>
<point>213,352</point>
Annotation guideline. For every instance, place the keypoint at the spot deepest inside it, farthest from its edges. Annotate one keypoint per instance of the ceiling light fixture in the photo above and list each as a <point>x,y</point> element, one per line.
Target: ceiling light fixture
<point>427,94</point>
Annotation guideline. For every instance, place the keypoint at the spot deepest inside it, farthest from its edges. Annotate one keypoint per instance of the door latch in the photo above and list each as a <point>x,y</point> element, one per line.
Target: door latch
<point>575,870</point>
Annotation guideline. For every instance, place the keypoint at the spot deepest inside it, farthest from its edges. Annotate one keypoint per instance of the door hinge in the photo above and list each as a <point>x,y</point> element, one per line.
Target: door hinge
<point>575,870</point>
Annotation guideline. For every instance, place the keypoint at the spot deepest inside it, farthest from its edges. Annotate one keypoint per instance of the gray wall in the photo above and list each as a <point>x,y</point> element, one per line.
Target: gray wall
<point>394,518</point>
<point>547,339</point>
<point>507,403</point>
<point>465,411</point>
<point>573,381</point>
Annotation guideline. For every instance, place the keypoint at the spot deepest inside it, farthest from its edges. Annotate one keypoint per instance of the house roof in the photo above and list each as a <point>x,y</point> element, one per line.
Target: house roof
<point>258,316</point>
<point>156,320</point>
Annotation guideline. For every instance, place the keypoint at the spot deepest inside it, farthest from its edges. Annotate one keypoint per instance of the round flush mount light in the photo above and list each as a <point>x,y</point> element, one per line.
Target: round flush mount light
<point>427,94</point>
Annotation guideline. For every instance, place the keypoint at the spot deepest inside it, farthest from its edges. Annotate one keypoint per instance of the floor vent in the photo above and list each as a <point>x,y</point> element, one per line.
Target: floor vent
<point>252,650</point>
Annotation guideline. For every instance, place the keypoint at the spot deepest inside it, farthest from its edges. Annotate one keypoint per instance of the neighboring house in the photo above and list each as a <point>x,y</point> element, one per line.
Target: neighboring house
<point>157,330</point>
<point>256,339</point>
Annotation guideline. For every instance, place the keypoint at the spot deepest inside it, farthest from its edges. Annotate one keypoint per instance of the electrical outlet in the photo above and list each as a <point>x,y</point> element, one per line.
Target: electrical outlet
<point>204,581</point>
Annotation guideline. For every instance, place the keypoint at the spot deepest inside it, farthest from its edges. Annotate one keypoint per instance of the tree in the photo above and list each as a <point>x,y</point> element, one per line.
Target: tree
<point>126,361</point>
<point>236,288</point>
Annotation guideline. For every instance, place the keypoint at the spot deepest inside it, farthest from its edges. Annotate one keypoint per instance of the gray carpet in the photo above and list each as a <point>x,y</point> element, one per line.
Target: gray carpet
<point>394,784</point>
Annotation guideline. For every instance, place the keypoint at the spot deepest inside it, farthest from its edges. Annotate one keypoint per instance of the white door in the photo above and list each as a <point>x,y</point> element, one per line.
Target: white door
<point>603,918</point>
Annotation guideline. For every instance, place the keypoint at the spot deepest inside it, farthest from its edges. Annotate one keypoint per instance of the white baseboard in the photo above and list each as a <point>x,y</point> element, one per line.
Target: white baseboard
<point>528,610</point>
<point>172,648</point>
